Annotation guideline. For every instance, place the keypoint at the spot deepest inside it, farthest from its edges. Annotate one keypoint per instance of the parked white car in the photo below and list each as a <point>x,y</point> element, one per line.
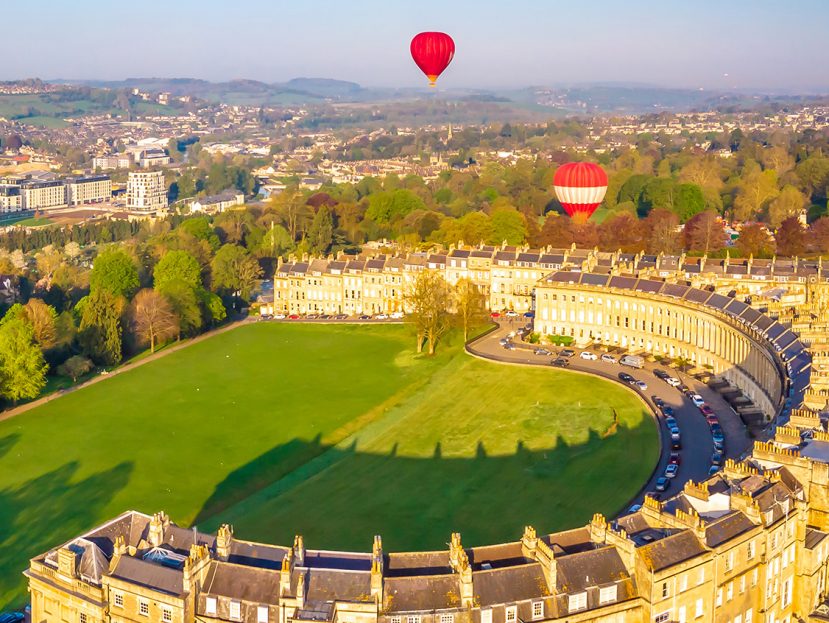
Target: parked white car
<point>697,400</point>
<point>396,315</point>
<point>511,314</point>
<point>673,381</point>
<point>608,358</point>
<point>588,355</point>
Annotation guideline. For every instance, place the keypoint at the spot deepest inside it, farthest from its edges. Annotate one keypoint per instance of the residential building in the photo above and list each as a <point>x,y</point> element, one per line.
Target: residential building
<point>115,161</point>
<point>218,203</point>
<point>88,189</point>
<point>10,198</point>
<point>146,191</point>
<point>43,195</point>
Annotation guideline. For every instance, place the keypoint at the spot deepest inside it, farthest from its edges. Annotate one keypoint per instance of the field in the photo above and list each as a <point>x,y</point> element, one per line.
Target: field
<point>339,423</point>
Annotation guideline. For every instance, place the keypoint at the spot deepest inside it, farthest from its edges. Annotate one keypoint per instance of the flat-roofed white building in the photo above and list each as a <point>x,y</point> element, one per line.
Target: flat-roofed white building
<point>146,191</point>
<point>88,189</point>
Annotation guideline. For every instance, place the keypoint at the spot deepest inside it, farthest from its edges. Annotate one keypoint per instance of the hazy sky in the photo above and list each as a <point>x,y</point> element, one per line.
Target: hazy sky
<point>689,43</point>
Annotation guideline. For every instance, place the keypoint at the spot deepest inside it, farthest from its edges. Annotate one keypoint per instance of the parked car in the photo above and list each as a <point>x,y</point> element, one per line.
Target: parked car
<point>682,387</point>
<point>511,314</point>
<point>509,346</point>
<point>529,314</point>
<point>635,508</point>
<point>504,341</point>
<point>312,316</point>
<point>697,400</point>
<point>585,354</point>
<point>654,495</point>
<point>670,422</point>
<point>641,385</point>
<point>625,377</point>
<point>560,362</point>
<point>660,404</point>
<point>293,317</point>
<point>341,317</point>
<point>279,316</point>
<point>364,317</point>
<point>676,444</point>
<point>662,483</point>
<point>713,470</point>
<point>718,437</point>
<point>719,446</point>
<point>706,410</point>
<point>675,434</point>
<point>396,315</point>
<point>381,317</point>
<point>609,358</point>
<point>668,411</point>
<point>12,617</point>
<point>673,381</point>
<point>671,470</point>
<point>661,374</point>
<point>542,351</point>
<point>325,317</point>
<point>716,458</point>
<point>675,458</point>
<point>567,352</point>
<point>495,315</point>
<point>712,420</point>
<point>634,361</point>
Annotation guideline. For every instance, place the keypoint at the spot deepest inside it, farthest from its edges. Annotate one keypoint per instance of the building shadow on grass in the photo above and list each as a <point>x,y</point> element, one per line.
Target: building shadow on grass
<point>47,511</point>
<point>344,496</point>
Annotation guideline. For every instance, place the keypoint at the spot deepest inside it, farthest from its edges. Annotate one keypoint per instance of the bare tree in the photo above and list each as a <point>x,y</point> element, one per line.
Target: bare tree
<point>427,300</point>
<point>152,318</point>
<point>43,319</point>
<point>469,305</point>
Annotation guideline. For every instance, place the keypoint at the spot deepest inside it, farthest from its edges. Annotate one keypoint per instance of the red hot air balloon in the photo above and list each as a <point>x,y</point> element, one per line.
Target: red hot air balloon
<point>432,52</point>
<point>580,187</point>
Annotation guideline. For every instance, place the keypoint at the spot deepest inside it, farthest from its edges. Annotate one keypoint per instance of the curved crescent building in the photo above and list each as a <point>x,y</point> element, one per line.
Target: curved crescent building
<point>731,339</point>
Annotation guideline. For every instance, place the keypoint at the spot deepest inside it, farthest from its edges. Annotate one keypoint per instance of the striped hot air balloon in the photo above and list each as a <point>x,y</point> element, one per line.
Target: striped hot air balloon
<point>580,187</point>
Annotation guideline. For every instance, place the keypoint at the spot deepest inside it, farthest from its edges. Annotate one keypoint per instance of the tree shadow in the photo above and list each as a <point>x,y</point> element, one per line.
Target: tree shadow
<point>7,442</point>
<point>29,517</point>
<point>416,502</point>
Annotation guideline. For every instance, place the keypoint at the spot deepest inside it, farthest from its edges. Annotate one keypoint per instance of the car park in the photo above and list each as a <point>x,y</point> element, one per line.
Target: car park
<point>567,352</point>
<point>662,483</point>
<point>697,400</point>
<point>585,354</point>
<point>542,351</point>
<point>608,358</point>
<point>625,377</point>
<point>671,470</point>
<point>641,385</point>
<point>560,362</point>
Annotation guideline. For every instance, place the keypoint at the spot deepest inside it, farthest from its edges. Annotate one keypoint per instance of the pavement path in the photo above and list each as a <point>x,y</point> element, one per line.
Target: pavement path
<point>697,445</point>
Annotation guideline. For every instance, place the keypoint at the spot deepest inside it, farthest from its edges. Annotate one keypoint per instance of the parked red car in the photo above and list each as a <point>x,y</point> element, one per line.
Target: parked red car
<point>293,317</point>
<point>495,315</point>
<point>706,410</point>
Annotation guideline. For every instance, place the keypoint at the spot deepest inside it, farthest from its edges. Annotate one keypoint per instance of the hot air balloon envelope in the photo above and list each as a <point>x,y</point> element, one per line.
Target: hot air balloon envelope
<point>580,187</point>
<point>432,52</point>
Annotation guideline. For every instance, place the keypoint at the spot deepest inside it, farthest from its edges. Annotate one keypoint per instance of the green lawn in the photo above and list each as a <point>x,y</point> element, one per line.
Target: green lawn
<point>360,435</point>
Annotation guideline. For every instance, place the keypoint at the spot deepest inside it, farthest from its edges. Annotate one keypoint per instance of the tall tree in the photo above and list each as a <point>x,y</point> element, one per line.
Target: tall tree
<point>114,272</point>
<point>470,305</point>
<point>755,190</point>
<point>177,266</point>
<point>427,300</point>
<point>704,232</point>
<point>321,231</point>
<point>661,231</point>
<point>100,327</point>
<point>790,202</point>
<point>508,225</point>
<point>754,240</point>
<point>235,271</point>
<point>790,237</point>
<point>43,319</point>
<point>152,318</point>
<point>22,367</point>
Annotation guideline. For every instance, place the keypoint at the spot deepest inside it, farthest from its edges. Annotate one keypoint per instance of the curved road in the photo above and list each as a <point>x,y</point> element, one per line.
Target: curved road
<point>697,445</point>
